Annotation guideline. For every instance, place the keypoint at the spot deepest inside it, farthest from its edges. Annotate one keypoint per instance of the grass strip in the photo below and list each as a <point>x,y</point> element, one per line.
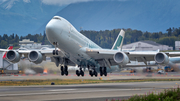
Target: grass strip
<point>172,94</point>
<point>74,81</point>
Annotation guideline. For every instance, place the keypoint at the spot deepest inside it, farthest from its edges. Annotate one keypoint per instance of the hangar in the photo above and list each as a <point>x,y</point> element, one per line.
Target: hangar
<point>147,46</point>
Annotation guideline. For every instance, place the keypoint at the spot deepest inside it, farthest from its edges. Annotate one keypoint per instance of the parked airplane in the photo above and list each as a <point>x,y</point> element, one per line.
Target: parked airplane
<point>9,48</point>
<point>76,49</point>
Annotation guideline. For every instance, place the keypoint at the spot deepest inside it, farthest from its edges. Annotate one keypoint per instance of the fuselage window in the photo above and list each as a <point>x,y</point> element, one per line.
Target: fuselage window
<point>57,18</point>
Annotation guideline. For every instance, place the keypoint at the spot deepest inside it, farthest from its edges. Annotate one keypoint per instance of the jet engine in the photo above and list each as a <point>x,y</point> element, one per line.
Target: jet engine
<point>121,58</point>
<point>161,58</point>
<point>13,56</point>
<point>35,57</point>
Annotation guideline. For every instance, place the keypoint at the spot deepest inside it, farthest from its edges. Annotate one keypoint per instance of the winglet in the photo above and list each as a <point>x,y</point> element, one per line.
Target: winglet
<point>9,48</point>
<point>119,41</point>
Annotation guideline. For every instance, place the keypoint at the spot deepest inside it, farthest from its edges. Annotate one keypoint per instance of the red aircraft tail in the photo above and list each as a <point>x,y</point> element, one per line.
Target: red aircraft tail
<point>9,48</point>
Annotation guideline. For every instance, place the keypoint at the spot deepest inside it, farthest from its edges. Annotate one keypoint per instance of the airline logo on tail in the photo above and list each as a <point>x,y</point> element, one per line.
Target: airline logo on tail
<point>119,41</point>
<point>9,48</point>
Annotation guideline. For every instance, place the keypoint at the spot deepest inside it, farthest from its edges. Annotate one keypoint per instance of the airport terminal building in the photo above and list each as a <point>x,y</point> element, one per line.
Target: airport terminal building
<point>147,46</point>
<point>26,43</point>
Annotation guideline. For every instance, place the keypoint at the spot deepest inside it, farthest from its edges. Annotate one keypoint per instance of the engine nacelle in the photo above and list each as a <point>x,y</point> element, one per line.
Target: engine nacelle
<point>121,58</point>
<point>13,56</point>
<point>35,57</point>
<point>161,58</point>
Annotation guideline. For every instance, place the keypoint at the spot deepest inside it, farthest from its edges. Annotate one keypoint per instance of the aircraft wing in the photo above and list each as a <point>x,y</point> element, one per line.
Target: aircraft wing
<point>37,56</point>
<point>107,55</point>
<point>47,53</point>
<point>4,50</point>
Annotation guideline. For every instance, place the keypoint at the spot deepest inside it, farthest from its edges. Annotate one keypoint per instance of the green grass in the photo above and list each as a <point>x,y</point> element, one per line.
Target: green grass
<point>74,81</point>
<point>167,95</point>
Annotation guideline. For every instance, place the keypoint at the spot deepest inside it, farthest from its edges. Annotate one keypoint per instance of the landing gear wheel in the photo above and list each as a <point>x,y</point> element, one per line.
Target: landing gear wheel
<point>77,73</point>
<point>100,68</point>
<point>95,73</point>
<point>62,73</point>
<point>101,74</point>
<point>91,73</point>
<point>82,73</point>
<point>62,69</point>
<point>56,52</point>
<point>101,71</point>
<point>105,73</point>
<point>66,68</point>
<point>53,52</point>
<point>66,73</point>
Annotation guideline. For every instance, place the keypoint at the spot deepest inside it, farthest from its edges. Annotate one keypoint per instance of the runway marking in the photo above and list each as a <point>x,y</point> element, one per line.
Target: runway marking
<point>61,89</point>
<point>69,91</point>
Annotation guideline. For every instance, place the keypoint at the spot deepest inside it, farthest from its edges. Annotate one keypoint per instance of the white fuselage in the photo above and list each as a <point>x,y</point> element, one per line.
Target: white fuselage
<point>72,43</point>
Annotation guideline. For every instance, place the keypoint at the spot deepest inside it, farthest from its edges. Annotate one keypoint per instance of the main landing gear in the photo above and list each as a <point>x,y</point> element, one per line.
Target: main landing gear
<point>93,72</point>
<point>64,70</point>
<point>103,71</point>
<point>80,72</point>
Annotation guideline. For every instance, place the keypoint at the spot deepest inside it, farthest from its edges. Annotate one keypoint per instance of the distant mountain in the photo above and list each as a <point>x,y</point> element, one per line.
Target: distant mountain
<point>145,15</point>
<point>24,16</point>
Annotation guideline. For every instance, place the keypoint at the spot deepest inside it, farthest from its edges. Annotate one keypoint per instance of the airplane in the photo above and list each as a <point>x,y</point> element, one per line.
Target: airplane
<point>76,49</point>
<point>9,48</point>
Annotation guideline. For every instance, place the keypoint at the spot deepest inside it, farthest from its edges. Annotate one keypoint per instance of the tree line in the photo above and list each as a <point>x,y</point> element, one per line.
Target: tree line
<point>14,39</point>
<point>104,39</point>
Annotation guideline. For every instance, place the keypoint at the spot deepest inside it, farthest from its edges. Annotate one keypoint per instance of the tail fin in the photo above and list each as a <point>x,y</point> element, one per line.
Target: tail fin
<point>9,48</point>
<point>119,41</point>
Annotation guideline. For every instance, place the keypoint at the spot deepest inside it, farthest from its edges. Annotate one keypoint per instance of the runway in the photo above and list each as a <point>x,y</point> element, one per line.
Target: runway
<point>81,92</point>
<point>112,76</point>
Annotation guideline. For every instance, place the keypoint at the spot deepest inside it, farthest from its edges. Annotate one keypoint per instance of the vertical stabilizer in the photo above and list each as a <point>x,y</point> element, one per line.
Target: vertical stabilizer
<point>119,41</point>
<point>9,48</point>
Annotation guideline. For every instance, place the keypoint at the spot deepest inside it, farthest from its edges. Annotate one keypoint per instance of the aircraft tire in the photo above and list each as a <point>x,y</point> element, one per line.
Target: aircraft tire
<point>53,52</point>
<point>104,69</point>
<point>62,73</point>
<point>77,73</point>
<point>105,73</point>
<point>100,69</point>
<point>62,69</point>
<point>95,73</point>
<point>101,74</point>
<point>91,73</point>
<point>56,52</point>
<point>66,68</point>
<point>82,73</point>
<point>66,73</point>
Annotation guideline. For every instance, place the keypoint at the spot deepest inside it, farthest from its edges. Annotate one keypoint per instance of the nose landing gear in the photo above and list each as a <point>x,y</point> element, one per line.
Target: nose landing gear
<point>55,52</point>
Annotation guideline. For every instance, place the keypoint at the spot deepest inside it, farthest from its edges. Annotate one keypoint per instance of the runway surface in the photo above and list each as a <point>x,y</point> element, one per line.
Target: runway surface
<point>112,76</point>
<point>81,92</point>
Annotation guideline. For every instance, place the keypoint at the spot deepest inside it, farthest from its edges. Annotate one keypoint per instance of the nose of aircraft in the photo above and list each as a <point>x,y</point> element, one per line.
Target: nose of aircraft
<point>52,29</point>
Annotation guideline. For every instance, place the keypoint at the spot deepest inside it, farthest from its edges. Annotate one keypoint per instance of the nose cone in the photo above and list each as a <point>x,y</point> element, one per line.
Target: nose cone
<point>53,29</point>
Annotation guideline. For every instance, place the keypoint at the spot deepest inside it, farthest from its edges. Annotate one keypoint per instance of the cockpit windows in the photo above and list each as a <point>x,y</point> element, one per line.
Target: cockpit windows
<point>57,18</point>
